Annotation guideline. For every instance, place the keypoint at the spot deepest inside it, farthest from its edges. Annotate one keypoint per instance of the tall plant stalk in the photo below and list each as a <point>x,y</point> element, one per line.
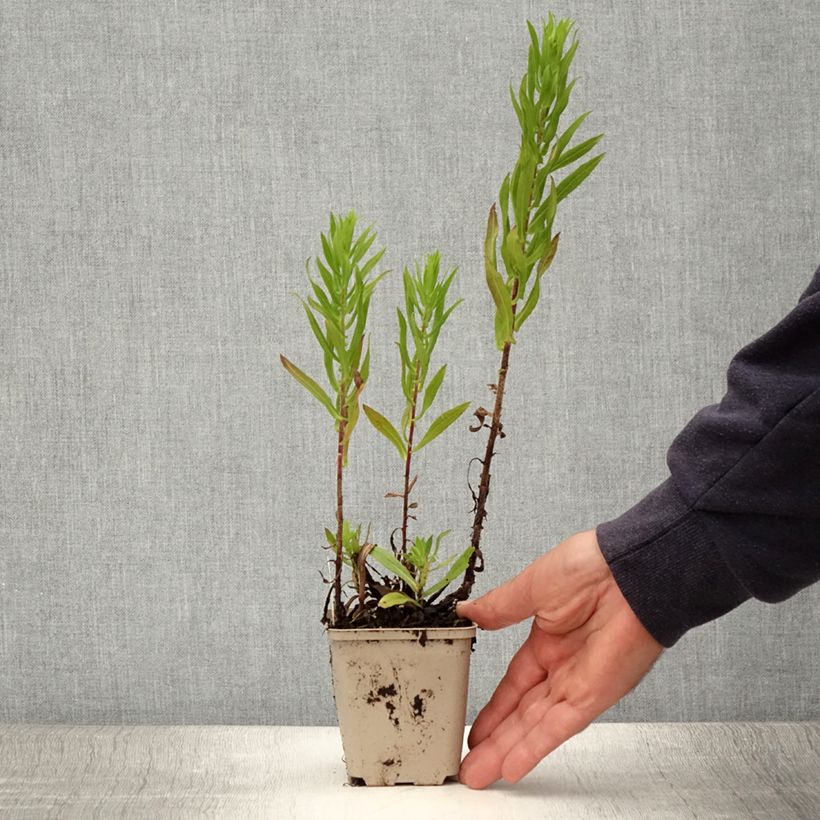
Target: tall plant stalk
<point>405,513</point>
<point>426,311</point>
<point>337,312</point>
<point>340,517</point>
<point>527,244</point>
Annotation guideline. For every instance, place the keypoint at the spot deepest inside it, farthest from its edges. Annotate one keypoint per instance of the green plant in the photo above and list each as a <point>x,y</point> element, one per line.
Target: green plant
<point>425,314</point>
<point>337,313</point>
<point>529,199</point>
<point>416,568</point>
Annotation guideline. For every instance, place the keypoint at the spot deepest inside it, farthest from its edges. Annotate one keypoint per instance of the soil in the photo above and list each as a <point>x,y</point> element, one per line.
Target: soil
<point>405,617</point>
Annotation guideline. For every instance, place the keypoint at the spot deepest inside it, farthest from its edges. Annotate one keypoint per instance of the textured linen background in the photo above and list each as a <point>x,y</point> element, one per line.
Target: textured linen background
<point>167,168</point>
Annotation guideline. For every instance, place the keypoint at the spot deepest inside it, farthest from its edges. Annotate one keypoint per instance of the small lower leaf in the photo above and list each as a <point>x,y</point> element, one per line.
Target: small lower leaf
<point>396,599</point>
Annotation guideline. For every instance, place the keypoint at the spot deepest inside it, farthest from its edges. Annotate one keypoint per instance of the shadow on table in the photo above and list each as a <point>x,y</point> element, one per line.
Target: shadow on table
<point>556,786</point>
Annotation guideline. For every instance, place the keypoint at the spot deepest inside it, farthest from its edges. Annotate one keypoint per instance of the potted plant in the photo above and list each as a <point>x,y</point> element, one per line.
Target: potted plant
<point>399,653</point>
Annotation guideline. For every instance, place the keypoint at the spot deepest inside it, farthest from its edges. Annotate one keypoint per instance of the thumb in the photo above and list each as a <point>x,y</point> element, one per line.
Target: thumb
<point>503,606</point>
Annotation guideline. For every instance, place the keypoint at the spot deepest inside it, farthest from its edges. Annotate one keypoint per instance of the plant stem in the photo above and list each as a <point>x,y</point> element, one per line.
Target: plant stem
<point>463,591</point>
<point>406,500</point>
<point>466,586</point>
<point>337,616</point>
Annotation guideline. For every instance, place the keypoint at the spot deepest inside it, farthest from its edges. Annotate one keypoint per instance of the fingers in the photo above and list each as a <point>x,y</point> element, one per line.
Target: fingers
<point>558,725</point>
<point>482,766</point>
<point>522,740</point>
<point>505,605</point>
<point>523,673</point>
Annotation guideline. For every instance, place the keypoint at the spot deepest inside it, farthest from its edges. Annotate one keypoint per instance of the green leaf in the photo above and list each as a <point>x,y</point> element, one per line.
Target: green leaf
<point>370,264</point>
<point>571,182</point>
<point>396,599</point>
<point>532,301</point>
<point>497,286</point>
<point>563,140</point>
<point>327,276</point>
<point>331,537</point>
<point>513,255</point>
<point>337,340</point>
<point>561,104</point>
<point>439,538</point>
<point>456,568</point>
<point>310,385</point>
<point>328,251</point>
<point>518,112</point>
<point>432,390</point>
<point>523,184</point>
<point>501,332</point>
<point>365,368</point>
<point>386,429</point>
<point>504,202</point>
<point>533,37</point>
<point>403,352</point>
<point>352,412</point>
<point>392,564</point>
<point>317,331</point>
<point>442,423</point>
<point>576,152</point>
<point>546,259</point>
<point>551,205</point>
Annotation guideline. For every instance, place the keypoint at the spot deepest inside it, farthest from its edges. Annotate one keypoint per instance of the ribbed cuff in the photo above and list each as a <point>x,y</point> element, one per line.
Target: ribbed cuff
<point>667,567</point>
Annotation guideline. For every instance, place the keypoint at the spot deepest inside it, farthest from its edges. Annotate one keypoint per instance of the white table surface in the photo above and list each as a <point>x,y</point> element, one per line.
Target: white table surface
<point>742,770</point>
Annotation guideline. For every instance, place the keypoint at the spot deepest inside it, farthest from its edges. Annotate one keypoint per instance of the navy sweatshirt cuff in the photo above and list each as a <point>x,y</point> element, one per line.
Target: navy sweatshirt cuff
<point>667,566</point>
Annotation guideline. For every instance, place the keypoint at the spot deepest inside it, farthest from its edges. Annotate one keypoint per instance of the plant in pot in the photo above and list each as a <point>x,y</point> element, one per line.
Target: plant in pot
<point>399,653</point>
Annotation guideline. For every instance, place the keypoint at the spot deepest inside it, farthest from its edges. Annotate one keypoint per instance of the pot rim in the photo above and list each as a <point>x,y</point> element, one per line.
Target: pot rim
<point>413,633</point>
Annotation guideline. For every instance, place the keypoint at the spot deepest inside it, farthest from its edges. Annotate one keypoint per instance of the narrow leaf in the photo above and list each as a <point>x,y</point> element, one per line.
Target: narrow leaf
<point>392,564</point>
<point>310,385</point>
<point>504,202</point>
<point>456,568</point>
<point>432,390</point>
<point>576,152</point>
<point>532,301</point>
<point>442,423</point>
<point>317,331</point>
<point>386,429</point>
<point>571,182</point>
<point>498,289</point>
<point>563,140</point>
<point>546,259</point>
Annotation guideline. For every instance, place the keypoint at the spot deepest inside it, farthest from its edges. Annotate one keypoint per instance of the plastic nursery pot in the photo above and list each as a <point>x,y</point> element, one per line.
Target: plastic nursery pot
<point>401,698</point>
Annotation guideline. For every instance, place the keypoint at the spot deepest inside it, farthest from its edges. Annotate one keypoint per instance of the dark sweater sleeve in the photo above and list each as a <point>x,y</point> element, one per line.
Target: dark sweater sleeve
<point>739,515</point>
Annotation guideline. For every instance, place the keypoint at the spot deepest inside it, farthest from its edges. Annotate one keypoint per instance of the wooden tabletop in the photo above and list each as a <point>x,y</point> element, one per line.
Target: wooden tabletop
<point>743,770</point>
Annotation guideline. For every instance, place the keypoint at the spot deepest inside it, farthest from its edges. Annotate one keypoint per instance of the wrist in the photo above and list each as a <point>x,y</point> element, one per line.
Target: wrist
<point>667,566</point>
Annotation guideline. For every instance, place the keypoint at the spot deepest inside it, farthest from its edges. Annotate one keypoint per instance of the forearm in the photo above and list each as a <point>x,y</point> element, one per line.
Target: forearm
<point>739,516</point>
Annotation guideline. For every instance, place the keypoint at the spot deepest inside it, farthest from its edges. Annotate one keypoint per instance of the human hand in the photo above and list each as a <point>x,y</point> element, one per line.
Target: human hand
<point>585,651</point>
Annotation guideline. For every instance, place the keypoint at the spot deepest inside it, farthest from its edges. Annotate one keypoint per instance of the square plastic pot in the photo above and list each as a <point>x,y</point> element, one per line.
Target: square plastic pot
<point>401,699</point>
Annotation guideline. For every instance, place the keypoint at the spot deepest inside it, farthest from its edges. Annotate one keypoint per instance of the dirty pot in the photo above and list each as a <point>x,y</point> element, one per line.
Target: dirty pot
<point>401,698</point>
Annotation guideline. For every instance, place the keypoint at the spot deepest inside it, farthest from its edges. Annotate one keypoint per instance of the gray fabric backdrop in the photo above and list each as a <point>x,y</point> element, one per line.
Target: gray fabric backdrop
<point>166,170</point>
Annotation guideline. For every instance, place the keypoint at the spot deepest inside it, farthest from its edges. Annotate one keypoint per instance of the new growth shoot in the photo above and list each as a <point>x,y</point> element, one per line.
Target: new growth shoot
<point>424,316</point>
<point>528,198</point>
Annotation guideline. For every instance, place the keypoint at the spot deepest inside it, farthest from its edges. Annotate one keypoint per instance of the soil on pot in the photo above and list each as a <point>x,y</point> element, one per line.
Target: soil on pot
<point>405,617</point>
